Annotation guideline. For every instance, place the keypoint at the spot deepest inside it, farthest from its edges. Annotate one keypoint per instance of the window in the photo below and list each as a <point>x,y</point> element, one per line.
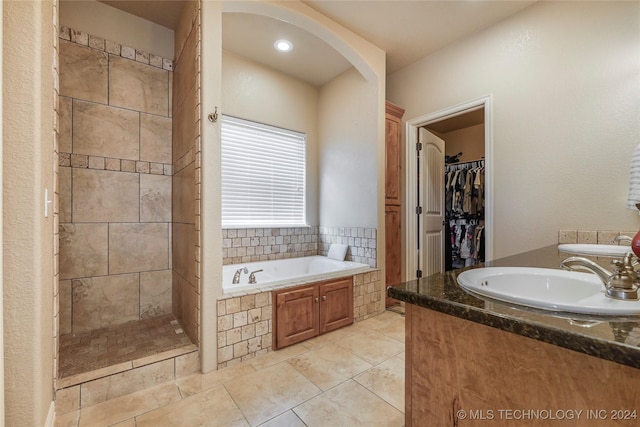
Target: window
<point>263,175</point>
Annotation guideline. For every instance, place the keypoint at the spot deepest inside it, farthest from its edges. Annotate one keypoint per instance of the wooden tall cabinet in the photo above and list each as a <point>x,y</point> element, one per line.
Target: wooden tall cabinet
<point>393,196</point>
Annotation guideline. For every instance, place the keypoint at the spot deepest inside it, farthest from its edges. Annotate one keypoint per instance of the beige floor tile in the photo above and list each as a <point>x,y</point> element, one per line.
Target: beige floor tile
<point>372,346</point>
<point>198,382</point>
<point>129,406</point>
<point>70,419</point>
<point>394,329</point>
<point>349,405</point>
<point>275,357</point>
<point>288,419</point>
<point>212,408</point>
<point>387,381</point>
<point>128,423</point>
<point>270,392</point>
<point>329,365</point>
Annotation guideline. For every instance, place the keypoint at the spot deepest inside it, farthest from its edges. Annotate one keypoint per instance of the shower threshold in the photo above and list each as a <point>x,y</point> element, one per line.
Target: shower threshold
<point>102,352</point>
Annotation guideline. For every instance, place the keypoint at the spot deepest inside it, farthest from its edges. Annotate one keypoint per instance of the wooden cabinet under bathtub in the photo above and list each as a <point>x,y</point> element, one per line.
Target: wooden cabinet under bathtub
<point>307,311</point>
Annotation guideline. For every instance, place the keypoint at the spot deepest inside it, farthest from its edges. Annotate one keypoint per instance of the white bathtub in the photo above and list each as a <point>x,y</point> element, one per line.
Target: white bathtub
<point>288,272</point>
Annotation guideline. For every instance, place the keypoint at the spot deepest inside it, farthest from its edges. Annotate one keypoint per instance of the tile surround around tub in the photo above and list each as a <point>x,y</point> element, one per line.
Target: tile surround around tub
<point>262,244</point>
<point>604,237</point>
<point>114,183</point>
<point>362,243</point>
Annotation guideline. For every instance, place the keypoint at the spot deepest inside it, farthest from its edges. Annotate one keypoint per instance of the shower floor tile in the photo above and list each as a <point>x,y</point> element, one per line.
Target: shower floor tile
<point>97,349</point>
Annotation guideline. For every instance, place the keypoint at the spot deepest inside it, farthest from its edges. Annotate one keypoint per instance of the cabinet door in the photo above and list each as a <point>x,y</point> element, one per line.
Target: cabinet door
<point>393,248</point>
<point>392,159</point>
<point>336,304</point>
<point>296,315</point>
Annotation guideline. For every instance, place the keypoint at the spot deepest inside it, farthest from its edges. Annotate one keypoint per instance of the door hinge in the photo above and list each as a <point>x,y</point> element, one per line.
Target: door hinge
<point>418,146</point>
<point>418,273</point>
<point>418,210</point>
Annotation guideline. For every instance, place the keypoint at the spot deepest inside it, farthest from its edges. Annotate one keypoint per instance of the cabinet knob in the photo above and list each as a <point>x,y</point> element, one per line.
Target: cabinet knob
<point>317,299</point>
<point>324,297</point>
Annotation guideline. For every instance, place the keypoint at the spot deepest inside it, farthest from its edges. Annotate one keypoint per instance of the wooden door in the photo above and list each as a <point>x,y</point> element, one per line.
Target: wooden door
<point>393,152</point>
<point>296,315</point>
<point>432,201</point>
<point>336,304</point>
<point>393,248</point>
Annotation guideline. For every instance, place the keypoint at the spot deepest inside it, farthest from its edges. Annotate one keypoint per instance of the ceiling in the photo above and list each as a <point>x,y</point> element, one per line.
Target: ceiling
<point>406,30</point>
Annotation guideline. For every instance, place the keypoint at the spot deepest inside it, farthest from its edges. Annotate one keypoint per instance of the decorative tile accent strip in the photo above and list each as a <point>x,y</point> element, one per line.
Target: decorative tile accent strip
<point>106,163</point>
<point>362,243</point>
<point>599,237</point>
<point>264,244</point>
<point>114,48</point>
<point>244,327</point>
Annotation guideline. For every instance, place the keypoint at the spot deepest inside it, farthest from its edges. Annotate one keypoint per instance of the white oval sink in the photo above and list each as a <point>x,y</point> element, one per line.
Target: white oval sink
<point>586,249</point>
<point>546,289</point>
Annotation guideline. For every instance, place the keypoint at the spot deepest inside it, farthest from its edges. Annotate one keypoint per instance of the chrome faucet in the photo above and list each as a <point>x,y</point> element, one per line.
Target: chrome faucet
<point>619,239</point>
<point>236,277</point>
<point>620,284</point>
<point>252,277</point>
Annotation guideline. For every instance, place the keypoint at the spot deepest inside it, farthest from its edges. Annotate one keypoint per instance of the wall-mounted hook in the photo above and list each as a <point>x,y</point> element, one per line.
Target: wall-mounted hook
<point>213,117</point>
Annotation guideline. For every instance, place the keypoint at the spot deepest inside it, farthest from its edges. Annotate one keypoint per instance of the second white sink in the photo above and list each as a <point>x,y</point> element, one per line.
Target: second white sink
<point>546,289</point>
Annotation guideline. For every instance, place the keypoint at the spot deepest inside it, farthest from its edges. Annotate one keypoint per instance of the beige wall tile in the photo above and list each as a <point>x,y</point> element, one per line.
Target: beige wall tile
<point>83,72</point>
<point>184,195</point>
<point>138,86</point>
<point>105,300</point>
<point>138,247</point>
<point>114,386</point>
<point>155,293</point>
<point>567,236</point>
<point>64,193</point>
<point>64,301</point>
<point>183,250</point>
<point>64,129</point>
<point>101,130</point>
<point>155,198</point>
<point>190,312</point>
<point>83,250</point>
<point>187,364</point>
<point>155,138</point>
<point>588,237</point>
<point>67,399</point>
<point>105,196</point>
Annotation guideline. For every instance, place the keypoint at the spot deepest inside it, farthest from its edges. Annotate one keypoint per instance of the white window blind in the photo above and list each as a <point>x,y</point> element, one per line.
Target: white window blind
<point>263,175</point>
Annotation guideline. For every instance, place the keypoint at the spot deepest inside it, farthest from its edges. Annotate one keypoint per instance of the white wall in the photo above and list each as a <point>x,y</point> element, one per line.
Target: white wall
<point>348,151</point>
<point>565,79</point>
<point>253,92</point>
<point>109,23</point>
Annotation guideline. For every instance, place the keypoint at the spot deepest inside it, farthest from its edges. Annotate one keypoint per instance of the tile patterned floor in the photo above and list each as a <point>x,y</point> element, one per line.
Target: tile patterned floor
<point>350,377</point>
<point>92,350</point>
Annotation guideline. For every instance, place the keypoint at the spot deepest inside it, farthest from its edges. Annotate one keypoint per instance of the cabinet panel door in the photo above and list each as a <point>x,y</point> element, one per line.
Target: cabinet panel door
<point>392,161</point>
<point>336,305</point>
<point>296,315</point>
<point>393,249</point>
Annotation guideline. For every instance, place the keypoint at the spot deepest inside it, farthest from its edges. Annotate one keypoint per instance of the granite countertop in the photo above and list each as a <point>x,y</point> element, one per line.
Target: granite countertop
<point>612,338</point>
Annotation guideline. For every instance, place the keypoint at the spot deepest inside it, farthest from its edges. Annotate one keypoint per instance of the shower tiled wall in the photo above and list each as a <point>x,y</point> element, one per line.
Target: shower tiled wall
<point>115,171</point>
<point>186,177</point>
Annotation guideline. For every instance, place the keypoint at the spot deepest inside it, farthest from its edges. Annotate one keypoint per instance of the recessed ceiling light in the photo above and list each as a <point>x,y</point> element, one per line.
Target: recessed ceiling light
<point>283,45</point>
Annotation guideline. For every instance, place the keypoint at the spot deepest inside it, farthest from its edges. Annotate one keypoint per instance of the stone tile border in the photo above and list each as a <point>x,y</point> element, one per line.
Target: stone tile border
<point>266,244</point>
<point>600,237</point>
<point>114,48</point>
<point>362,243</point>
<point>84,161</point>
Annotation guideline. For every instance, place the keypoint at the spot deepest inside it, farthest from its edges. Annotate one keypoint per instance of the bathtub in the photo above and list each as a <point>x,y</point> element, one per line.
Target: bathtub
<point>289,271</point>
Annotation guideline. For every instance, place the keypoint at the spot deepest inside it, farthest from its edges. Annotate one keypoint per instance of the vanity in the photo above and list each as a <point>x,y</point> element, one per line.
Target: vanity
<point>476,361</point>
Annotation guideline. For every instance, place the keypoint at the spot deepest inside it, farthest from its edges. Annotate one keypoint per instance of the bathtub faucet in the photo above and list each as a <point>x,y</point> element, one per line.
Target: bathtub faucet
<point>236,277</point>
<point>252,277</point>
